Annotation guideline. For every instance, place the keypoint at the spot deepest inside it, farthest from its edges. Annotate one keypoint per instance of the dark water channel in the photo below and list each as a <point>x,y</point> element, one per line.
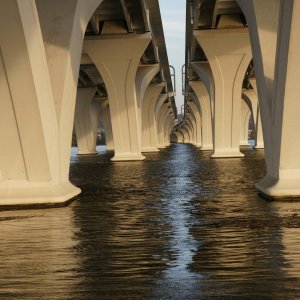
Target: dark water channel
<point>176,226</point>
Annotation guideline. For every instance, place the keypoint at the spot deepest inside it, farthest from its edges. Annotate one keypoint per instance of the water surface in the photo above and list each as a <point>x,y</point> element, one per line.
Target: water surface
<point>175,226</point>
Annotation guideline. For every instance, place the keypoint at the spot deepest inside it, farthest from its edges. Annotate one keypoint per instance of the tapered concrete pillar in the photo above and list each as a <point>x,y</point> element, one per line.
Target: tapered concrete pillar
<point>166,125</point>
<point>182,134</point>
<point>32,169</point>
<point>245,118</point>
<point>204,72</point>
<point>117,58</point>
<point>186,134</point>
<point>192,125</point>
<point>144,76</point>
<point>229,54</point>
<point>164,112</point>
<point>167,130</point>
<point>83,122</point>
<point>196,113</point>
<point>250,96</point>
<point>106,121</point>
<point>259,139</point>
<point>203,103</point>
<point>196,129</point>
<point>189,128</point>
<point>63,25</point>
<point>180,137</point>
<point>95,116</point>
<point>277,56</point>
<point>149,131</point>
<point>161,102</point>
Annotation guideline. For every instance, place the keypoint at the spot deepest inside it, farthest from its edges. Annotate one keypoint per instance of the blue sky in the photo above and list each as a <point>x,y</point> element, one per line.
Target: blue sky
<point>173,18</point>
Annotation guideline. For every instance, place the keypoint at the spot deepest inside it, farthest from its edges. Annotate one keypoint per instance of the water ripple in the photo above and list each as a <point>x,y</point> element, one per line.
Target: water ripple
<point>176,226</point>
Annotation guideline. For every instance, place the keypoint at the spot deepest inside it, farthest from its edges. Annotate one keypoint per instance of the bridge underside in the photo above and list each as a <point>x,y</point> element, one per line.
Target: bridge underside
<point>66,67</point>
<point>75,64</point>
<point>240,75</point>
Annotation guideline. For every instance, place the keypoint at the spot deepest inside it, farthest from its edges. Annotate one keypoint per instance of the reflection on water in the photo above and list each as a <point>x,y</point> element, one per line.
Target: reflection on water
<point>176,226</point>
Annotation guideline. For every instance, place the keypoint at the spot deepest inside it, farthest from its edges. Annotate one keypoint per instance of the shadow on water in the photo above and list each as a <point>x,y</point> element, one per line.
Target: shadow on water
<point>176,226</point>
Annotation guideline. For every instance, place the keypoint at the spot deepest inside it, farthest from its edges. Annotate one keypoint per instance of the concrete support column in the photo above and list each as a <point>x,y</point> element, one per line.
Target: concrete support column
<point>95,117</point>
<point>193,129</point>
<point>203,102</point>
<point>252,95</point>
<point>164,112</point>
<point>204,72</point>
<point>180,137</point>
<point>83,122</point>
<point>189,128</point>
<point>229,55</point>
<point>106,121</point>
<point>149,131</point>
<point>259,139</point>
<point>63,25</point>
<point>195,109</point>
<point>186,134</point>
<point>32,170</point>
<point>117,58</point>
<point>145,74</point>
<point>245,118</point>
<point>277,60</point>
<point>167,130</point>
<point>160,103</point>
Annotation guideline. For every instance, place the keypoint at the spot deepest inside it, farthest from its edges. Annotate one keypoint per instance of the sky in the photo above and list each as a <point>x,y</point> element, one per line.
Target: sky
<point>173,19</point>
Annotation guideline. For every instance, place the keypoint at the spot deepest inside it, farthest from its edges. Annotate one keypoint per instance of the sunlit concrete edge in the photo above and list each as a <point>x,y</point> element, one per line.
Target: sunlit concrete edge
<point>128,157</point>
<point>227,154</point>
<point>149,150</point>
<point>276,189</point>
<point>50,195</point>
<point>86,153</point>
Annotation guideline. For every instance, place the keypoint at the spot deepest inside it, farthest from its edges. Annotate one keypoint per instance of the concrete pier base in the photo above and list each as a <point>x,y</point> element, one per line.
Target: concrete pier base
<point>227,154</point>
<point>287,187</point>
<point>36,193</point>
<point>150,149</point>
<point>128,157</point>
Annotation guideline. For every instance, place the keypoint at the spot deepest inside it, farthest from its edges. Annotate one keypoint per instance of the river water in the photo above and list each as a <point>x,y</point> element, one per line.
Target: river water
<point>175,226</point>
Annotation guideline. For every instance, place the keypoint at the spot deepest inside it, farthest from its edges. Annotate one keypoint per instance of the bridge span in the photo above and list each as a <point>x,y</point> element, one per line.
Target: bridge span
<point>66,66</point>
<point>241,64</point>
<point>78,62</point>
